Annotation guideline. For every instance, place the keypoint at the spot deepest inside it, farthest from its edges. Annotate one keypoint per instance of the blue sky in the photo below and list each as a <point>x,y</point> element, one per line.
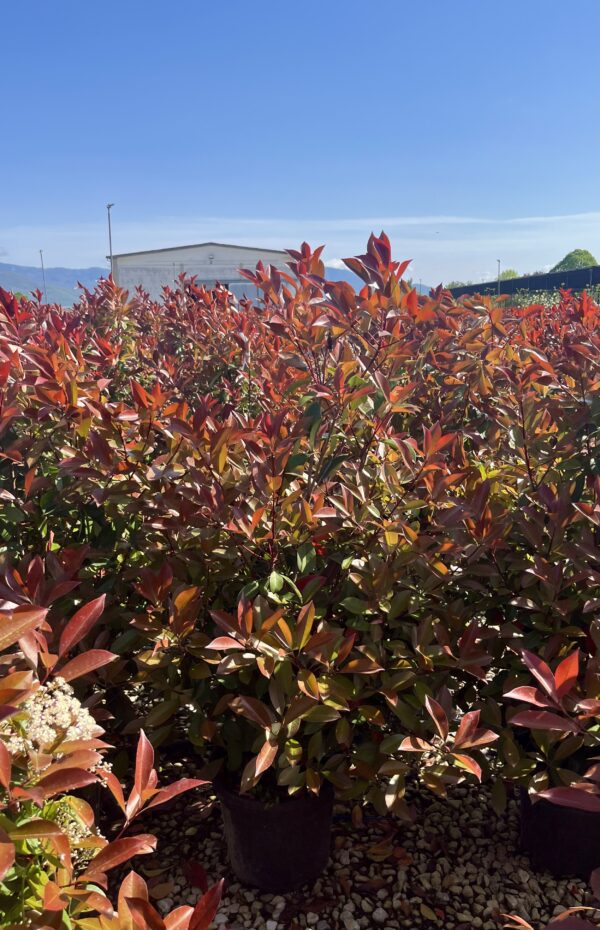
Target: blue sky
<point>469,130</point>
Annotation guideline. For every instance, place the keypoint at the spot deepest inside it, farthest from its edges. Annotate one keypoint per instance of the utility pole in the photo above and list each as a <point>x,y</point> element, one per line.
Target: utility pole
<point>44,276</point>
<point>110,252</point>
<point>498,260</point>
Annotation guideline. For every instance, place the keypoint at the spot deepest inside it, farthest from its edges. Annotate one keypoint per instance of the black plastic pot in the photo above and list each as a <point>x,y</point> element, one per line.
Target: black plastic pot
<point>561,840</point>
<point>277,847</point>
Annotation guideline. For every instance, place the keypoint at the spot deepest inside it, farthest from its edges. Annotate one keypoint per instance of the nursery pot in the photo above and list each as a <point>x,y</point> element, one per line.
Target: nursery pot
<point>561,840</point>
<point>277,847</point>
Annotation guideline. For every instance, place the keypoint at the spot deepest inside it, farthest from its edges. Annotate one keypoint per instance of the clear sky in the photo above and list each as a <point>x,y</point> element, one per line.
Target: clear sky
<point>468,129</point>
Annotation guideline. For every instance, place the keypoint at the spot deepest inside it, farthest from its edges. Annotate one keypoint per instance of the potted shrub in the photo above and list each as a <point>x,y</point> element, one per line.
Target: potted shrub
<point>290,710</point>
<point>558,767</point>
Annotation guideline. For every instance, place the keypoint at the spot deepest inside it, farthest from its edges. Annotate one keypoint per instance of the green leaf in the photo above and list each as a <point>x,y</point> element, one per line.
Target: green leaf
<point>12,514</point>
<point>355,605</point>
<point>400,604</point>
<point>330,466</point>
<point>306,557</point>
<point>275,582</point>
<point>321,714</point>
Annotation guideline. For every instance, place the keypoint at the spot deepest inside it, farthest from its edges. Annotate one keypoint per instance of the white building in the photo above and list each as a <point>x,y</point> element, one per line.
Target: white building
<point>209,261</point>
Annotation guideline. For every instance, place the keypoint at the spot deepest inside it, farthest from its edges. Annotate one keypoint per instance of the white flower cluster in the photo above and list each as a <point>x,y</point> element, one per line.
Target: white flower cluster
<point>50,717</point>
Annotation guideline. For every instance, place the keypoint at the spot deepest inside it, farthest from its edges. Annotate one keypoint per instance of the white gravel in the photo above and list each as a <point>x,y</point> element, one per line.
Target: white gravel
<point>455,868</point>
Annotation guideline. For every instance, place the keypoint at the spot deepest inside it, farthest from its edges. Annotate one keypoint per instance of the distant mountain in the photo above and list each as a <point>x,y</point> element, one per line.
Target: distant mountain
<point>61,283</point>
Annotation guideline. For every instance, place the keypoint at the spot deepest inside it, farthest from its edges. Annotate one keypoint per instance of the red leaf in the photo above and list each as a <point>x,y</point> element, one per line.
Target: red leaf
<point>179,919</point>
<point>132,886</point>
<point>7,853</point>
<point>172,791</point>
<point>5,765</point>
<point>572,797</point>
<point>141,397</point>
<point>480,738</point>
<point>245,614</point>
<point>412,302</point>
<point>468,763</point>
<point>99,902</point>
<point>224,620</point>
<point>383,384</point>
<point>364,666</point>
<point>224,642</point>
<point>144,762</point>
<point>467,728</point>
<point>529,694</point>
<point>438,715</point>
<point>414,744</point>
<point>253,709</point>
<point>566,674</point>
<point>54,898</point>
<point>85,663</point>
<point>114,786</point>
<point>64,781</point>
<point>80,624</point>
<point>518,921</point>
<point>144,915</point>
<point>542,672</point>
<point>120,851</point>
<point>543,720</point>
<point>206,908</point>
<point>86,759</point>
<point>18,623</point>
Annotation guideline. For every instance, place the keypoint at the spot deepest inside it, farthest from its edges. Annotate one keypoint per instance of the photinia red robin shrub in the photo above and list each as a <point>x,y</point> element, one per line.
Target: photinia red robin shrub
<point>418,474</point>
<point>53,856</point>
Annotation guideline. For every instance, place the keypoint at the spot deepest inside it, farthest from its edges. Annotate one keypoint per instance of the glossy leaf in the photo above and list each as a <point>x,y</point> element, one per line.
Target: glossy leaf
<point>438,715</point>
<point>17,624</point>
<point>120,851</point>
<point>206,908</point>
<point>80,624</point>
<point>85,663</point>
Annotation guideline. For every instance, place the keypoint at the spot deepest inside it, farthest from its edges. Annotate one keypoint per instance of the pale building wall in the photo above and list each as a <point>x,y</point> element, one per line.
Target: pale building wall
<point>210,262</point>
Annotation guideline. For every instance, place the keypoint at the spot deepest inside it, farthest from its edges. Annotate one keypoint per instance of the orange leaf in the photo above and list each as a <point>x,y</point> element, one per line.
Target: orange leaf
<point>566,674</point>
<point>7,853</point>
<point>206,908</point>
<point>120,851</point>
<point>265,758</point>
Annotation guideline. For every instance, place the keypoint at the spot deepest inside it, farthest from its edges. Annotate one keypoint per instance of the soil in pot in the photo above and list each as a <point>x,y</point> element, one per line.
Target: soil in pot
<point>279,846</point>
<point>561,840</point>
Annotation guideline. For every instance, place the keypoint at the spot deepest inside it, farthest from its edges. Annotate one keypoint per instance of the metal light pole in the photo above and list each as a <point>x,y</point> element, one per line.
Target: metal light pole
<point>108,209</point>
<point>498,260</point>
<point>44,276</point>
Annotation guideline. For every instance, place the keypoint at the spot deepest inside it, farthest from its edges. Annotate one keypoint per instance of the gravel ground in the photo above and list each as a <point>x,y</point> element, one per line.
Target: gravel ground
<point>455,868</point>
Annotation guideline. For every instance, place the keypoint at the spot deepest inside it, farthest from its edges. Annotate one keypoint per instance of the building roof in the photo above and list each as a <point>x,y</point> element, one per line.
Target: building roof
<point>196,245</point>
